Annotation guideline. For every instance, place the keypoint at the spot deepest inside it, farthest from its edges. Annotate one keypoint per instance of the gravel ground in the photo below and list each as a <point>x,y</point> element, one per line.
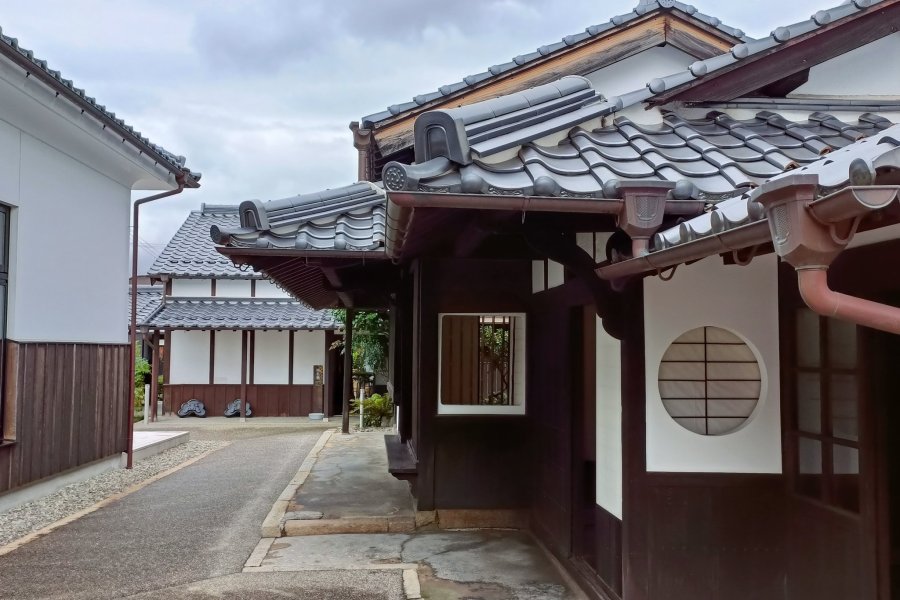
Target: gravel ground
<point>32,516</point>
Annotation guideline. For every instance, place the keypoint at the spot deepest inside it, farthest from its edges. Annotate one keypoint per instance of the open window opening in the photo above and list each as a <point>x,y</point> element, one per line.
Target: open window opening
<point>482,364</point>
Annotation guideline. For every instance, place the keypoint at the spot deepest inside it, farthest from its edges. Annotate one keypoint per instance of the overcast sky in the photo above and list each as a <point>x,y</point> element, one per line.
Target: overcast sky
<point>258,94</point>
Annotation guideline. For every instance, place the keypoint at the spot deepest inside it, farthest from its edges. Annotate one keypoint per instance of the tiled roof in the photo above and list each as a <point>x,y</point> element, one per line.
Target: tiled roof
<point>880,152</point>
<point>189,253</point>
<point>711,159</point>
<point>148,299</point>
<point>172,162</point>
<point>751,48</point>
<point>346,218</point>
<point>615,23</point>
<point>239,313</point>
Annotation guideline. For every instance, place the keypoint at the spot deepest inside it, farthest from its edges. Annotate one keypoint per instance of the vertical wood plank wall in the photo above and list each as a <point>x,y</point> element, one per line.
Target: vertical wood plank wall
<point>473,461</point>
<point>70,405</point>
<point>266,400</point>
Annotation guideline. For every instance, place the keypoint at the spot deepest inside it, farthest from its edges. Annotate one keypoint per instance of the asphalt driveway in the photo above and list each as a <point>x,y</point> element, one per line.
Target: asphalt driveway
<point>185,536</point>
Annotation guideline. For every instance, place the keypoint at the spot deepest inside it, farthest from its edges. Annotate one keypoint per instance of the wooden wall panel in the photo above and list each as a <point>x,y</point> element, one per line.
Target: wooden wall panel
<point>266,400</point>
<point>71,405</point>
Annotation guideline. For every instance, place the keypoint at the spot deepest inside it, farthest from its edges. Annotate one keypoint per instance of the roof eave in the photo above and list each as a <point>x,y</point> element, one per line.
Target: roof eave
<point>191,180</point>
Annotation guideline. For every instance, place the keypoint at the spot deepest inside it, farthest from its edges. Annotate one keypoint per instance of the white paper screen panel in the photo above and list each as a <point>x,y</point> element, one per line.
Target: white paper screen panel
<point>709,381</point>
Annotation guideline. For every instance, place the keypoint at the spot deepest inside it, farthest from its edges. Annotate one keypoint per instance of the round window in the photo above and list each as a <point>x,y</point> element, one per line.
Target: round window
<point>709,381</point>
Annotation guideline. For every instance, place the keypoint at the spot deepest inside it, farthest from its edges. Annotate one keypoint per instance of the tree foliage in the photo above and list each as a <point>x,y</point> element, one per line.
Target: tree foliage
<point>371,338</point>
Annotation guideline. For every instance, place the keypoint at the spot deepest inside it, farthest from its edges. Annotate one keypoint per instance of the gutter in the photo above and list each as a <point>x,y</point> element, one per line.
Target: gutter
<point>129,412</point>
<point>810,234</point>
<point>745,236</point>
<point>401,207</point>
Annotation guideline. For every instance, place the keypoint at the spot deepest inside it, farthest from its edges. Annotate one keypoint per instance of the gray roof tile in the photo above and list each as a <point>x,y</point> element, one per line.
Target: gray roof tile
<point>880,152</point>
<point>189,253</point>
<point>148,299</point>
<point>719,156</point>
<point>615,22</point>
<point>172,162</point>
<point>239,313</point>
<point>346,218</point>
<point>751,48</point>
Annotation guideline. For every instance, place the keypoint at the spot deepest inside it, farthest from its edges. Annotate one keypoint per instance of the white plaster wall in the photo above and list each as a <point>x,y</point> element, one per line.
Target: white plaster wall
<point>538,270</point>
<point>69,245</point>
<point>270,362</point>
<point>192,288</point>
<point>609,422</point>
<point>267,289</point>
<point>228,357</point>
<point>556,274</point>
<point>233,288</point>
<point>189,357</point>
<point>743,300</point>
<point>309,350</point>
<point>636,71</point>
<point>869,70</point>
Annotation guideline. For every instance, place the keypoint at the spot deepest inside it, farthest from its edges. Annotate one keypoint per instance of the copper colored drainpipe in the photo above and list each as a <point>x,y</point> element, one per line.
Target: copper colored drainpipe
<point>129,412</point>
<point>825,301</point>
<point>809,234</point>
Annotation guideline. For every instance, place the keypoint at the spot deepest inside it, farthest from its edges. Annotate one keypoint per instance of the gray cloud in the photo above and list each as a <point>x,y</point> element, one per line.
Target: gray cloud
<point>258,93</point>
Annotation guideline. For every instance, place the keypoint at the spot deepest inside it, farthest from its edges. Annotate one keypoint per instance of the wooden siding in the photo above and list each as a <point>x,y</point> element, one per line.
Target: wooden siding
<point>70,405</point>
<point>465,461</point>
<point>266,400</point>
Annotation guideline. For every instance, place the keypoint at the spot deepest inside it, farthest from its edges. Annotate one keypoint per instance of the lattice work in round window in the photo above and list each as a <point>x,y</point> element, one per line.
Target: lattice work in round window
<point>709,381</point>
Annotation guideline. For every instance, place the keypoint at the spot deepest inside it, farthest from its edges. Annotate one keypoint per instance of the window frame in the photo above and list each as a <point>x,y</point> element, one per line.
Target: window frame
<point>7,430</point>
<point>827,495</point>
<point>519,362</point>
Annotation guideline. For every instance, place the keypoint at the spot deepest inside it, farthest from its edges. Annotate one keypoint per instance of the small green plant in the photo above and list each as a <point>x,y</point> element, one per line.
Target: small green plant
<point>375,408</point>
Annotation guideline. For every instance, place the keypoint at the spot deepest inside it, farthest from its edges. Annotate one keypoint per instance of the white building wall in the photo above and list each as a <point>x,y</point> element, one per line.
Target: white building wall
<point>192,288</point>
<point>267,289</point>
<point>740,299</point>
<point>233,288</point>
<point>189,357</point>
<point>869,70</point>
<point>270,363</point>
<point>309,350</point>
<point>228,357</point>
<point>69,245</point>
<point>609,422</point>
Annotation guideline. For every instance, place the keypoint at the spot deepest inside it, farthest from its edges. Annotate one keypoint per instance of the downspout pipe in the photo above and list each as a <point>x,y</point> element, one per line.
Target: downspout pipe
<point>809,234</point>
<point>819,297</point>
<point>129,412</point>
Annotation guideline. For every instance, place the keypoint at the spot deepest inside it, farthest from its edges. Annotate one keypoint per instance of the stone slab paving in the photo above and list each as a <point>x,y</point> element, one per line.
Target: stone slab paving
<point>349,490</point>
<point>483,564</point>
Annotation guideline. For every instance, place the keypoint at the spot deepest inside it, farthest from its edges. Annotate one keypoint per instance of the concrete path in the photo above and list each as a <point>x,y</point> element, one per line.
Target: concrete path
<point>483,564</point>
<point>187,535</point>
<point>349,490</point>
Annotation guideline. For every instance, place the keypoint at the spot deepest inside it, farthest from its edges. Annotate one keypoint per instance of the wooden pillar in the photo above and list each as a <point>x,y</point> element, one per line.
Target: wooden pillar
<point>243,373</point>
<point>167,369</point>
<point>348,370</point>
<point>154,377</point>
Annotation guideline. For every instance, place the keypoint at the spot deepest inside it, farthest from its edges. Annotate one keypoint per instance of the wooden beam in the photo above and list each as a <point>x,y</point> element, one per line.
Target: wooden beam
<point>252,354</point>
<point>243,373</point>
<point>212,355</point>
<point>348,370</point>
<point>291,357</point>
<point>154,378</point>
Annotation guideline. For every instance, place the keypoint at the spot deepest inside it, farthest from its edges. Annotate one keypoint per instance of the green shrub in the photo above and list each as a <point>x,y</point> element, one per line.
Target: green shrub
<point>375,407</point>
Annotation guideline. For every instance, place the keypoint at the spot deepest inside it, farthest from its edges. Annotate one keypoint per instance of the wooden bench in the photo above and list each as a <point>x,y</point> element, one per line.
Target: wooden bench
<point>401,462</point>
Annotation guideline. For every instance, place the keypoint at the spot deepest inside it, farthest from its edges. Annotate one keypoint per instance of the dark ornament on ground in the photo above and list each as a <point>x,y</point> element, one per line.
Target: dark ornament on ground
<point>193,408</point>
<point>234,409</point>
